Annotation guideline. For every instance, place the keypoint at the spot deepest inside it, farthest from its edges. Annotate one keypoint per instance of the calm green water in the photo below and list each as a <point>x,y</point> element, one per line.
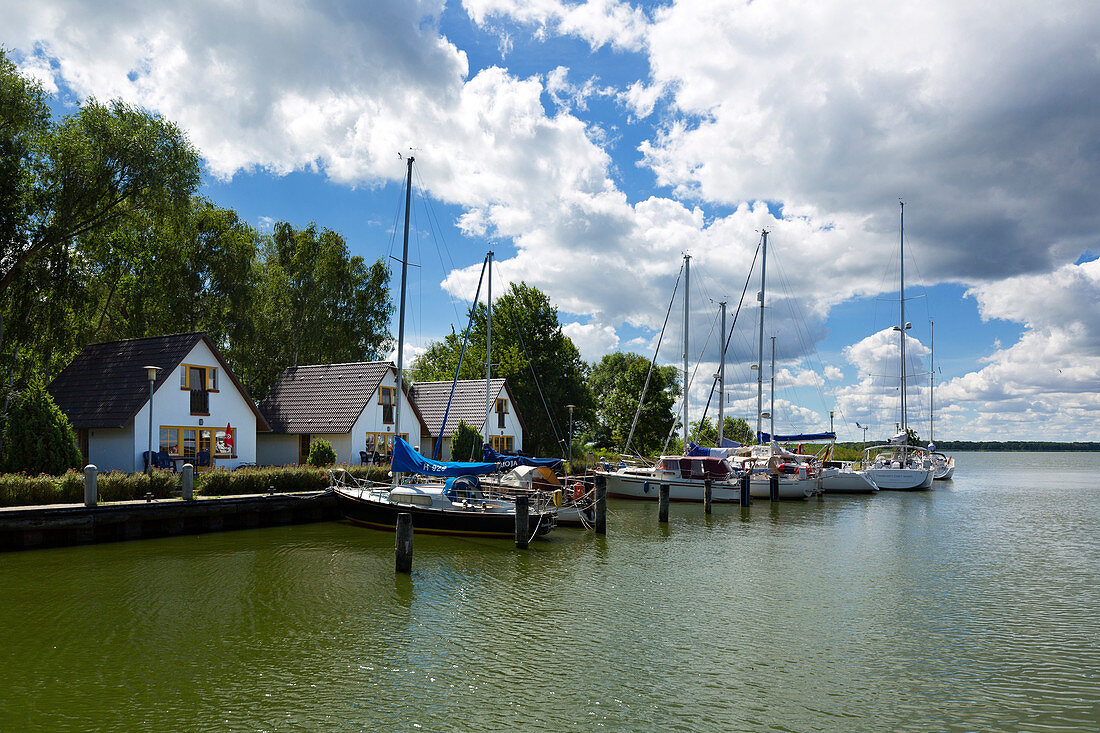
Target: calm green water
<point>975,606</point>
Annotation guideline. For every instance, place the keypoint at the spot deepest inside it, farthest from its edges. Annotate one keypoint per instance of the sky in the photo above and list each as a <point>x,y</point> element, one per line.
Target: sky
<point>591,145</point>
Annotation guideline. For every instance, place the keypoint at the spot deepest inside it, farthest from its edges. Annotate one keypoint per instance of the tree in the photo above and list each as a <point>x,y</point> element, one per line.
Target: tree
<point>617,382</point>
<point>321,453</point>
<point>543,367</point>
<point>735,429</point>
<point>39,438</point>
<point>315,304</point>
<point>465,443</point>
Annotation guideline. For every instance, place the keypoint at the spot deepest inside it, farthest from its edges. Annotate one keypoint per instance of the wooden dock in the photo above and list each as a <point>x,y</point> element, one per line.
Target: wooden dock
<point>23,528</point>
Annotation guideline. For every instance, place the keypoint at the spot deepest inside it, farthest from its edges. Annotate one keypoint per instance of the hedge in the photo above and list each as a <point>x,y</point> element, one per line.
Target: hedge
<point>18,489</point>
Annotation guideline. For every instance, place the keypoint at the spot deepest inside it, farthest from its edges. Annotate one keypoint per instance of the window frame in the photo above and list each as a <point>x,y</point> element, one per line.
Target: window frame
<point>200,436</point>
<point>209,377</point>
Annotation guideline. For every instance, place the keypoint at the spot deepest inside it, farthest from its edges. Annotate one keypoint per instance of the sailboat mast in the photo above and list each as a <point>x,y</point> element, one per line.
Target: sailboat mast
<point>488,346</point>
<point>687,305</point>
<point>401,312</point>
<point>931,381</point>
<point>771,414</point>
<point>722,375</point>
<point>760,354</point>
<point>901,329</point>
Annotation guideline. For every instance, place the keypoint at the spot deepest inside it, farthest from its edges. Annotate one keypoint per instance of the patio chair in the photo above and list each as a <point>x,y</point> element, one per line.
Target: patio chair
<point>363,459</point>
<point>161,460</point>
<point>202,459</point>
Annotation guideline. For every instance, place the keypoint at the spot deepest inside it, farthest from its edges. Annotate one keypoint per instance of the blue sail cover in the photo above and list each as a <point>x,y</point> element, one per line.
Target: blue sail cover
<point>700,451</point>
<point>727,443</point>
<point>797,438</point>
<point>508,462</point>
<point>407,460</point>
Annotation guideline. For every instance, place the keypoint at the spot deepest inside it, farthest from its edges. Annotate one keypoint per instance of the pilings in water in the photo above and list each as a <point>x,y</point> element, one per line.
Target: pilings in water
<point>601,504</point>
<point>746,496</point>
<point>706,496</point>
<point>523,521</point>
<point>662,505</point>
<point>773,487</point>
<point>403,546</point>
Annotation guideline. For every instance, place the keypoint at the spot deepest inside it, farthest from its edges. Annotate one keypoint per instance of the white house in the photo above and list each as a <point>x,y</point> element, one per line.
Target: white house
<point>201,413</point>
<point>355,407</point>
<point>504,426</point>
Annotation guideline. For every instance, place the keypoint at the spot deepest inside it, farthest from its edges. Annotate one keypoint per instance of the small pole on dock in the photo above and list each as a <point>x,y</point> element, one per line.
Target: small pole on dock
<point>90,489</point>
<point>662,505</point>
<point>601,504</point>
<point>746,496</point>
<point>188,492</point>
<point>403,548</point>
<point>773,487</point>
<point>523,521</point>
<point>706,495</point>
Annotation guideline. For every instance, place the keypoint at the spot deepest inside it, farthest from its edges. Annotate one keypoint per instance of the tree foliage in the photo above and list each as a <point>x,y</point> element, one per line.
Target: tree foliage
<point>466,443</point>
<point>39,438</point>
<point>543,367</point>
<point>321,453</point>
<point>736,429</point>
<point>617,382</point>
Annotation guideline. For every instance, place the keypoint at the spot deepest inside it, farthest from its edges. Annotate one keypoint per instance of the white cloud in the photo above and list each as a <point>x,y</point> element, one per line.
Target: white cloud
<point>599,22</point>
<point>593,340</point>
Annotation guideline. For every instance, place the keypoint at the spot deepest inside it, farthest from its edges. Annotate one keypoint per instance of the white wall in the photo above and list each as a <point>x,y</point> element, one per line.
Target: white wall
<point>370,421</point>
<point>511,422</point>
<point>276,449</point>
<point>110,449</point>
<point>172,406</point>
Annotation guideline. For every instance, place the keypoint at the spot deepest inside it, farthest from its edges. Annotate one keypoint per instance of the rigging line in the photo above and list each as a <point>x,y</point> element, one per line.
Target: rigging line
<point>531,364</point>
<point>649,373</point>
<point>458,369</point>
<point>437,230</point>
<point>688,382</point>
<point>732,327</point>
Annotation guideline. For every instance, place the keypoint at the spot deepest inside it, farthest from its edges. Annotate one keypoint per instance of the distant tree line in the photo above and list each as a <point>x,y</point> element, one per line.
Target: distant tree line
<point>1015,445</point>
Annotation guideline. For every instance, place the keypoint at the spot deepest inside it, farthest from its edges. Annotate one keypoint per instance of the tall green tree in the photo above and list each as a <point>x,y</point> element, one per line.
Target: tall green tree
<point>543,367</point>
<point>39,436</point>
<point>617,382</point>
<point>736,429</point>
<point>315,304</point>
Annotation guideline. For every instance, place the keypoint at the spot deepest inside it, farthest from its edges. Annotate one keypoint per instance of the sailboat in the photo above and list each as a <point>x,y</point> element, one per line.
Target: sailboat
<point>942,464</point>
<point>686,475</point>
<point>898,465</point>
<point>456,505</point>
<point>798,479</point>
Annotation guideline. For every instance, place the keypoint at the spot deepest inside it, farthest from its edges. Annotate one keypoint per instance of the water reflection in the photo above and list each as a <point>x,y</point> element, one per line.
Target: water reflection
<point>972,606</point>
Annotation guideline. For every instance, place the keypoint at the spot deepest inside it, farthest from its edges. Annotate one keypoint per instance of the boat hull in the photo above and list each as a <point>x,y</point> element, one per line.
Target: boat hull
<point>944,473</point>
<point>834,481</point>
<point>369,511</point>
<point>901,479</point>
<point>789,488</point>
<point>634,486</point>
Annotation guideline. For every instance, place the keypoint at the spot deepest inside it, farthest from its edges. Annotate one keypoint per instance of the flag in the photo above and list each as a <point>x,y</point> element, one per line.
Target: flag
<point>860,426</point>
<point>229,437</point>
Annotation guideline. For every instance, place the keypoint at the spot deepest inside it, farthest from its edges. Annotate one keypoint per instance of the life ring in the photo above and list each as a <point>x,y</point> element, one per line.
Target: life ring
<point>578,491</point>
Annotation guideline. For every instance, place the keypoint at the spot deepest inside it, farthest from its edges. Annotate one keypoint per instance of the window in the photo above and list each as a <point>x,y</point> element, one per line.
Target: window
<point>195,440</point>
<point>502,411</point>
<point>501,443</point>
<point>201,381</point>
<point>383,443</point>
<point>385,398</point>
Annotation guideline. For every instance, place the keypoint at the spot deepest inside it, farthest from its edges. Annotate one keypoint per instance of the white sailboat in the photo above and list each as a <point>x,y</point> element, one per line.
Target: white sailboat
<point>898,465</point>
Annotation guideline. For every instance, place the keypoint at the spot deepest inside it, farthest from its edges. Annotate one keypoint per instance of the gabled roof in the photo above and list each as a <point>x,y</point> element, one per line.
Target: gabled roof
<point>105,385</point>
<point>323,398</point>
<point>468,404</point>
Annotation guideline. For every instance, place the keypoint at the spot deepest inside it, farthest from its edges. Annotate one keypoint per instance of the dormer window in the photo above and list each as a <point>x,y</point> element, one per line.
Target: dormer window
<point>200,381</point>
<point>386,399</point>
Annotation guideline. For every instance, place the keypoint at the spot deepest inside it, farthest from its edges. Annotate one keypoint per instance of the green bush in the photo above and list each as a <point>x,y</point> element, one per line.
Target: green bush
<point>321,453</point>
<point>465,442</point>
<point>37,436</point>
<point>280,480</point>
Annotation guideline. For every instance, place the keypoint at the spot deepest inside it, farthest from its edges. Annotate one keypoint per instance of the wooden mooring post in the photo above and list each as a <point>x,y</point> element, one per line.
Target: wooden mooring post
<point>662,505</point>
<point>188,491</point>
<point>403,547</point>
<point>746,495</point>
<point>773,487</point>
<point>523,521</point>
<point>707,489</point>
<point>601,504</point>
